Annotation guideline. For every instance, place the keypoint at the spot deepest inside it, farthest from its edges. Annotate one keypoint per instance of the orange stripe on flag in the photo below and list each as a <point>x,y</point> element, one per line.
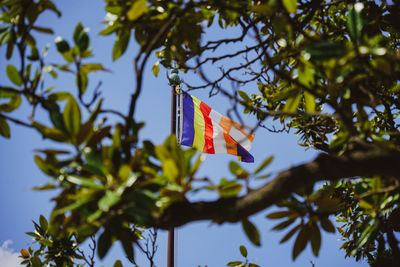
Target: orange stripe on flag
<point>231,146</point>
<point>208,131</point>
<point>240,128</point>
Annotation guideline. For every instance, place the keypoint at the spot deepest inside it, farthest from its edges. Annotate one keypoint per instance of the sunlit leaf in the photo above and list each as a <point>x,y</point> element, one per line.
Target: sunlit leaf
<point>13,75</point>
<point>84,182</point>
<point>137,9</point>
<point>156,68</point>
<point>72,116</point>
<point>292,103</point>
<point>290,5</point>
<point>264,164</point>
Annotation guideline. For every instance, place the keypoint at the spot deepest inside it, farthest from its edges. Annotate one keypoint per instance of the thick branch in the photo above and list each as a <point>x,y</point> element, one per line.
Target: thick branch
<point>367,160</point>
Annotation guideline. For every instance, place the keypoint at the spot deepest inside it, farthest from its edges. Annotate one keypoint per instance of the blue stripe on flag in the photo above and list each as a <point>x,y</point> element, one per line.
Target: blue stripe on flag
<point>244,154</point>
<point>188,118</point>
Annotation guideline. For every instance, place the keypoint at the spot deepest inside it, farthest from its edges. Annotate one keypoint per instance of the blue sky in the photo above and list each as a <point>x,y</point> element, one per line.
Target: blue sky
<point>199,243</point>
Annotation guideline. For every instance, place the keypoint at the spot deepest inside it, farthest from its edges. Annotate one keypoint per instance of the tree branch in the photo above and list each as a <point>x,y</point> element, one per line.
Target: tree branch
<point>361,160</point>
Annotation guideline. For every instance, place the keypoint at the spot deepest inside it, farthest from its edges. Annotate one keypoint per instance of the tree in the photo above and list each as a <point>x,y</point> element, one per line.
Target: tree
<point>328,70</point>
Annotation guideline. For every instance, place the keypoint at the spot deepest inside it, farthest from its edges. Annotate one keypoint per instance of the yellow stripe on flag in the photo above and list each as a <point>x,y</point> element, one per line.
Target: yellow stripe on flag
<point>199,126</point>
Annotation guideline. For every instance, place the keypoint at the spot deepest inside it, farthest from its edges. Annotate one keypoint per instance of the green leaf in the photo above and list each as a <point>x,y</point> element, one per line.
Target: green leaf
<point>81,81</point>
<point>235,263</point>
<point>4,128</point>
<point>290,234</point>
<point>43,223</point>
<point>365,205</point>
<point>137,9</point>
<point>243,251</point>
<point>62,45</point>
<point>127,241</point>
<point>283,225</point>
<point>292,103</point>
<point>43,29</point>
<point>83,182</point>
<point>120,45</point>
<point>327,225</point>
<point>36,262</point>
<point>5,37</point>
<point>325,50</point>
<point>251,232</point>
<point>244,95</point>
<point>118,263</point>
<point>306,74</point>
<point>309,100</point>
<point>265,163</point>
<point>13,75</point>
<point>81,38</point>
<point>41,163</point>
<point>237,170</point>
<point>229,188</point>
<point>10,49</point>
<point>300,243</point>
<point>280,214</point>
<point>356,22</point>
<point>72,117</point>
<point>290,5</point>
<point>60,96</point>
<point>108,200</point>
<point>104,244</point>
<point>156,68</point>
<point>170,170</point>
<point>13,104</point>
<point>315,238</point>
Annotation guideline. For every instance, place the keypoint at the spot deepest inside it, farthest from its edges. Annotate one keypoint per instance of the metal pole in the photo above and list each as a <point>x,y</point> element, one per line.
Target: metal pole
<point>171,231</point>
<point>174,81</point>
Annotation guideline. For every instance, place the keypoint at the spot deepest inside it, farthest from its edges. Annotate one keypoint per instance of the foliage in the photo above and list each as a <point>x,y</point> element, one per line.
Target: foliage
<point>328,70</point>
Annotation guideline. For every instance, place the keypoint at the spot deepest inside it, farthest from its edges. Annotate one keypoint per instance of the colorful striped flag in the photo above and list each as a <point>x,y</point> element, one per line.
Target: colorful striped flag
<point>209,132</point>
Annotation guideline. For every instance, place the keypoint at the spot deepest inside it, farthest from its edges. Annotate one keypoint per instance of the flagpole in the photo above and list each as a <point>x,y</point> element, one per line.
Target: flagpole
<point>174,81</point>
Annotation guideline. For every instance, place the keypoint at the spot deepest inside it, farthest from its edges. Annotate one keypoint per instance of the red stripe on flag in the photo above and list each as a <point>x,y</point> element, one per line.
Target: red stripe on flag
<point>208,131</point>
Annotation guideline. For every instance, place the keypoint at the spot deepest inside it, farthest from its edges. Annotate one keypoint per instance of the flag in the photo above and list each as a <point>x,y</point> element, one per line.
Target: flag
<point>209,132</point>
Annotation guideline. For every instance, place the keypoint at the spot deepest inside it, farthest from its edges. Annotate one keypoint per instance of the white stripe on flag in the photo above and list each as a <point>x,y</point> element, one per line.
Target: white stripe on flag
<point>218,133</point>
<point>240,138</point>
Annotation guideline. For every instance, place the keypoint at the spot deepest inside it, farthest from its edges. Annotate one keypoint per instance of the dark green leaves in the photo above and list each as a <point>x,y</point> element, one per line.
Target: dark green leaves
<point>14,75</point>
<point>325,50</point>
<point>243,251</point>
<point>43,223</point>
<point>251,232</point>
<point>117,263</point>
<point>81,38</point>
<point>356,22</point>
<point>300,243</point>
<point>104,244</point>
<point>4,128</point>
<point>327,225</point>
<point>62,45</point>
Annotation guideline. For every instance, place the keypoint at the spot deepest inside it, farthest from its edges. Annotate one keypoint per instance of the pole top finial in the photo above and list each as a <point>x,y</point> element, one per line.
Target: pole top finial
<point>173,78</point>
